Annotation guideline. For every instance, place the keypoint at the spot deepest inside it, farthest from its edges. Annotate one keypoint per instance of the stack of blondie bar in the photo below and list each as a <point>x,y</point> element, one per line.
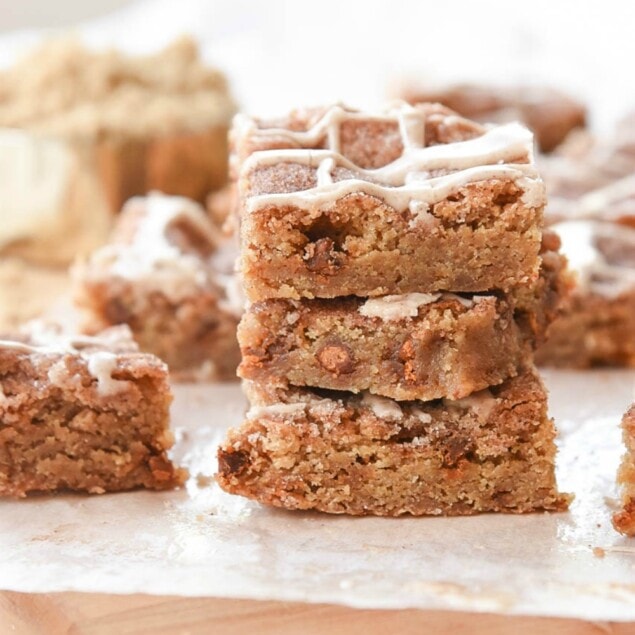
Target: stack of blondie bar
<point>398,281</point>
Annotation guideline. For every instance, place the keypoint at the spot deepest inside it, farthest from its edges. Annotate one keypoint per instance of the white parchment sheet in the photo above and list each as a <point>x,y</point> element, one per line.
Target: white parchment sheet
<point>203,542</point>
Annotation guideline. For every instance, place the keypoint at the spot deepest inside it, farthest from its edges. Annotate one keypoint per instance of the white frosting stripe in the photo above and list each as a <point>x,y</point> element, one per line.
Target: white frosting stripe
<point>399,307</point>
<point>405,181</point>
<point>428,192</point>
<point>100,363</point>
<point>151,257</point>
<point>496,147</point>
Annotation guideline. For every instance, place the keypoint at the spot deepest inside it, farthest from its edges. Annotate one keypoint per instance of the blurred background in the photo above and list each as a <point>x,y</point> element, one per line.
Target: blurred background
<point>287,52</point>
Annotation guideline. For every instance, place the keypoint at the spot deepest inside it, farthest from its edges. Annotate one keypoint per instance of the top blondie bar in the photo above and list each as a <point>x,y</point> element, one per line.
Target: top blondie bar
<point>336,202</point>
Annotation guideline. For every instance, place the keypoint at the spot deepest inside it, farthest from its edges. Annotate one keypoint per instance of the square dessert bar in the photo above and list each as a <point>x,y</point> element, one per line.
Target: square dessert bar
<point>413,346</point>
<point>363,454</point>
<point>410,346</point>
<point>168,274</point>
<point>415,199</point>
<point>624,520</point>
<point>598,238</point>
<point>82,413</point>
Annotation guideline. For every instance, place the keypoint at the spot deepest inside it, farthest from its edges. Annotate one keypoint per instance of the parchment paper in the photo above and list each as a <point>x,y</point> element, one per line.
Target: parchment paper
<point>203,542</point>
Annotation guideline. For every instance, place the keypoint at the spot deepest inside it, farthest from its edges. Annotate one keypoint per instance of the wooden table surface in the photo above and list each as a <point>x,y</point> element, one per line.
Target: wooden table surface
<point>94,614</point>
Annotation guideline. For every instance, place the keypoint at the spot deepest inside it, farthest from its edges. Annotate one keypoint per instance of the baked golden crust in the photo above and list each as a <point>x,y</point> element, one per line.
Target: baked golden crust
<point>339,453</point>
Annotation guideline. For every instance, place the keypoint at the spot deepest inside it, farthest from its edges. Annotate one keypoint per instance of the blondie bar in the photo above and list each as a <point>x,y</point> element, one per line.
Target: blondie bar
<point>551,114</point>
<point>168,274</point>
<point>82,131</point>
<point>598,237</point>
<point>336,202</point>
<point>624,520</point>
<point>82,413</point>
<point>364,454</point>
<point>413,346</point>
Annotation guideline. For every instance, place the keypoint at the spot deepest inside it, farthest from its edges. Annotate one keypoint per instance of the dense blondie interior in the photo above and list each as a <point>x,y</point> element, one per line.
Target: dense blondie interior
<point>399,280</point>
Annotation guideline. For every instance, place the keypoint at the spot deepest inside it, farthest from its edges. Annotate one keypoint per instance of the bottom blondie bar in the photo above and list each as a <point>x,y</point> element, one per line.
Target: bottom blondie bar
<point>363,454</point>
<point>85,414</point>
<point>624,520</point>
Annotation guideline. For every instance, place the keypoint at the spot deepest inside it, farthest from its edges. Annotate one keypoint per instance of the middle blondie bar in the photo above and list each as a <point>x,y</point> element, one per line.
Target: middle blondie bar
<point>335,202</point>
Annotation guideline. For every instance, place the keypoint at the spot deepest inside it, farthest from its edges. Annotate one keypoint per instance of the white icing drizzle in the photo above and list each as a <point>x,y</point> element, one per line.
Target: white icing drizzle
<point>101,365</point>
<point>399,307</point>
<point>481,403</point>
<point>405,183</point>
<point>382,407</point>
<point>278,409</point>
<point>46,339</point>
<point>595,274</point>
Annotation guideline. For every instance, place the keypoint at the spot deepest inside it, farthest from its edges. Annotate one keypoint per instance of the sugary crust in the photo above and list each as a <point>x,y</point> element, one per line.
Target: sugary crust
<point>482,238</point>
<point>552,115</point>
<point>63,428</point>
<point>304,449</point>
<point>336,202</point>
<point>446,349</point>
<point>624,520</point>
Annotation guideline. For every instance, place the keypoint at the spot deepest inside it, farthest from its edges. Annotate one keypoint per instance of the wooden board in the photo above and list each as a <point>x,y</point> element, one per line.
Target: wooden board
<point>94,614</point>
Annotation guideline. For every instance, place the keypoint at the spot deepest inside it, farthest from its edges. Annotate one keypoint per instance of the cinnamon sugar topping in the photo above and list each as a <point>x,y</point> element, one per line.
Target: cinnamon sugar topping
<point>422,175</point>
